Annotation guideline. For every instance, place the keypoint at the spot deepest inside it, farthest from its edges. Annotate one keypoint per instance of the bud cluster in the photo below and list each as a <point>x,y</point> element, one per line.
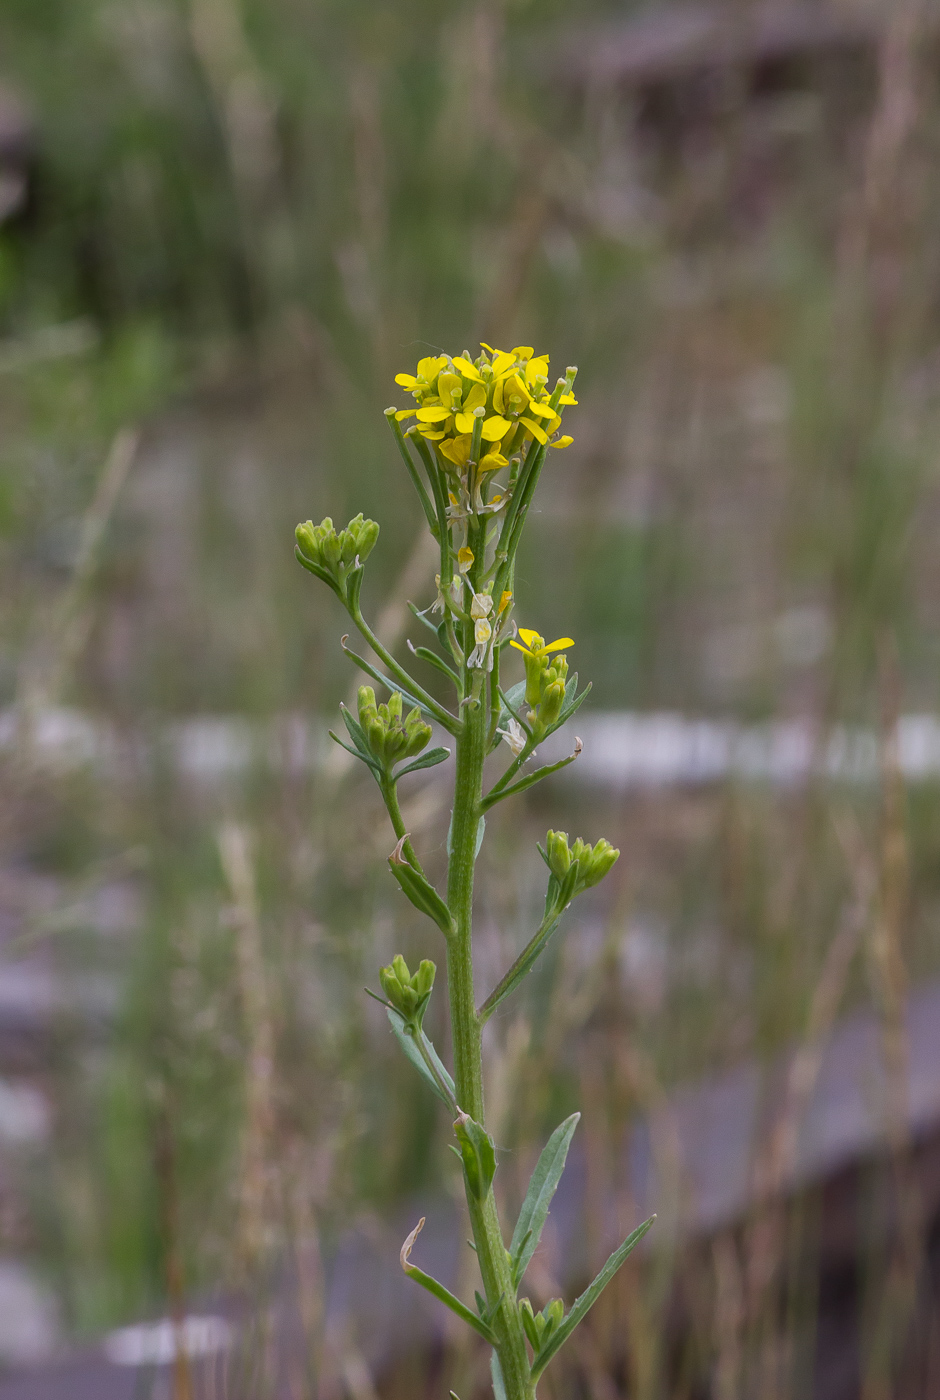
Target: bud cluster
<point>546,678</point>
<point>539,1326</point>
<point>593,862</point>
<point>337,554</point>
<point>390,736</point>
<point>409,995</point>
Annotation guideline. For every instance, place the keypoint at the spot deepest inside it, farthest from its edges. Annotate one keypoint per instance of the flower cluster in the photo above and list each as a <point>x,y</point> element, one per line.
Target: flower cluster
<point>593,862</point>
<point>545,676</point>
<point>408,994</point>
<point>486,409</point>
<point>390,735</point>
<point>335,555</point>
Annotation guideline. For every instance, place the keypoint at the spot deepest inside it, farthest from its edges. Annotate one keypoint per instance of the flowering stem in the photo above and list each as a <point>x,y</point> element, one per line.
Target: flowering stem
<point>466,1028</point>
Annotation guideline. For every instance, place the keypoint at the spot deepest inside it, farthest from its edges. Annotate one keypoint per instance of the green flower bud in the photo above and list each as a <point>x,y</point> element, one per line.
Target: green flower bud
<point>423,979</point>
<point>365,701</point>
<point>538,1327</point>
<point>406,993</point>
<point>339,554</point>
<point>559,856</point>
<point>554,1313</point>
<point>534,666</point>
<point>417,734</point>
<point>368,533</point>
<point>395,705</point>
<point>552,701</point>
<point>596,864</point>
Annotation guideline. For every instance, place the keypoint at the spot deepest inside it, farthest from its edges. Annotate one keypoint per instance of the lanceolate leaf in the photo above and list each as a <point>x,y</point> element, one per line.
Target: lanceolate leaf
<point>423,895</point>
<point>538,1198</point>
<point>408,1045</point>
<point>443,1294</point>
<point>427,760</point>
<point>588,1298</point>
<point>432,658</point>
<point>356,753</point>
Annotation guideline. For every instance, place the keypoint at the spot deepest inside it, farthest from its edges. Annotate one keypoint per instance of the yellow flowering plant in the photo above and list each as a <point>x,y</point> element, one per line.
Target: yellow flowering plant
<point>474,442</point>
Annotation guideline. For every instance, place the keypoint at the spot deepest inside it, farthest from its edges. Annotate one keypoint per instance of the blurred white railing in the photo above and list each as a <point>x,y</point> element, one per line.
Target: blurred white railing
<point>622,749</point>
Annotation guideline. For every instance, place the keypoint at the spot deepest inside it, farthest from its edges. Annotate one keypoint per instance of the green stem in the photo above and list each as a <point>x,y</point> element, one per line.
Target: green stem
<point>390,796</point>
<point>466,1030</point>
<point>443,717</point>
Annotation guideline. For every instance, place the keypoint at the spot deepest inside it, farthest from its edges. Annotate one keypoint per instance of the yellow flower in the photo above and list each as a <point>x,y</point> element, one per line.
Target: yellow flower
<point>534,645</point>
<point>465,559</point>
<point>506,389</point>
<point>428,370</point>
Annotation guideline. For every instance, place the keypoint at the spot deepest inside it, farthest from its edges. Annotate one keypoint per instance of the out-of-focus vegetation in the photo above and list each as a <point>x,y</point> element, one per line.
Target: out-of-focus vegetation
<point>245,216</point>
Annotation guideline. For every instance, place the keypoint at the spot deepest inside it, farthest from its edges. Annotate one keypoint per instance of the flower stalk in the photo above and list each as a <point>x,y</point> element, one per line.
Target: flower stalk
<point>481,432</point>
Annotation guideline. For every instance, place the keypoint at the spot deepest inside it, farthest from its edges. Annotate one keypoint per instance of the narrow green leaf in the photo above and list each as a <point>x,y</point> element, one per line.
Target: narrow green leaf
<point>422,894</point>
<point>356,732</point>
<point>496,1372</point>
<point>443,1294</point>
<point>356,753</point>
<point>316,570</point>
<point>422,617</point>
<point>538,1198</point>
<point>515,788</point>
<point>427,760</point>
<point>521,967</point>
<point>569,709</point>
<point>588,1298</point>
<point>385,681</point>
<point>432,658</point>
<point>408,1045</point>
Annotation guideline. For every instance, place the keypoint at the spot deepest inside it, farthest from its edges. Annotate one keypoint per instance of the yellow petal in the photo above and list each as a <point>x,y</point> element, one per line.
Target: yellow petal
<point>457,450</point>
<point>504,601</point>
<point>524,352</point>
<point>530,637</point>
<point>503,362</point>
<point>433,415</point>
<point>464,422</point>
<point>430,366</point>
<point>464,558</point>
<point>567,398</point>
<point>489,348</point>
<point>475,398</point>
<point>447,385</point>
<point>516,390</point>
<point>536,369</point>
<point>557,646</point>
<point>405,413</point>
<point>467,368</point>
<point>524,650</point>
<point>542,409</point>
<point>565,441</point>
<point>493,461</point>
<point>407,381</point>
<point>495,428</point>
<point>535,430</point>
<point>430,434</point>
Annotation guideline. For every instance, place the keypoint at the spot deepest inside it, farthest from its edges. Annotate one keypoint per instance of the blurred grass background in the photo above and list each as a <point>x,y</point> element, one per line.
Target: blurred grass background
<point>244,217</point>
